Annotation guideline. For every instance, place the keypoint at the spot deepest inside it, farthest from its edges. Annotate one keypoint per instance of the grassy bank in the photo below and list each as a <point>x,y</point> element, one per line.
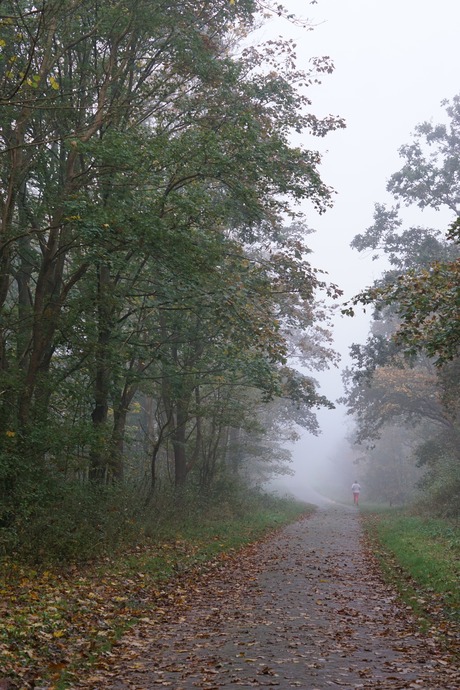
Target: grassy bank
<point>421,557</point>
<point>55,622</point>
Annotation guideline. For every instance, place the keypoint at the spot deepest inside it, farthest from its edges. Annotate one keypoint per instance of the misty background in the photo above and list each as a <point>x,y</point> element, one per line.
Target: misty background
<point>395,62</point>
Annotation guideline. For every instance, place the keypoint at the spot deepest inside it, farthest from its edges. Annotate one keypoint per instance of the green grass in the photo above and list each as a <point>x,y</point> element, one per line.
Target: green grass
<point>421,557</point>
<point>184,543</point>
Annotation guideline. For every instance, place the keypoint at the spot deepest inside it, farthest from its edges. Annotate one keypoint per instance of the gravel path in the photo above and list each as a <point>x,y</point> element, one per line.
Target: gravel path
<point>303,609</point>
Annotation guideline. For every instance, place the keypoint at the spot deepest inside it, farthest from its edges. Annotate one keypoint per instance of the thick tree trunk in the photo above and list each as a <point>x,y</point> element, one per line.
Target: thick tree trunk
<point>178,441</point>
<point>118,439</point>
<point>51,291</point>
<point>100,444</point>
<point>235,450</point>
<point>120,416</point>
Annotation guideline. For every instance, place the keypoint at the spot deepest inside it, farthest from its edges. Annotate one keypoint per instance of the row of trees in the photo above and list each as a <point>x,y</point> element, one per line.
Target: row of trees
<point>404,386</point>
<point>154,277</point>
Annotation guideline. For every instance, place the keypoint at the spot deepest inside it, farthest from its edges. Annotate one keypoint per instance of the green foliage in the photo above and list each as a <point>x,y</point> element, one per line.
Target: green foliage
<point>404,248</point>
<point>424,290</point>
<point>227,517</point>
<point>150,290</point>
<point>387,468</point>
<point>416,318</point>
<point>441,485</point>
<point>428,303</point>
<point>63,522</point>
<point>430,174</point>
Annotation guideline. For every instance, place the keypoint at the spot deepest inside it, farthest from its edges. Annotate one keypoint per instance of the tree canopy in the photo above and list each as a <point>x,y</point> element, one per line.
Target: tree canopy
<point>424,288</point>
<point>155,277</point>
<point>404,379</point>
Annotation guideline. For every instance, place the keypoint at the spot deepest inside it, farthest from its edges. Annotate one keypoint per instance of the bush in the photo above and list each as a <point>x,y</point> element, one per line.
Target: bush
<point>60,521</point>
<point>441,489</point>
<point>57,521</point>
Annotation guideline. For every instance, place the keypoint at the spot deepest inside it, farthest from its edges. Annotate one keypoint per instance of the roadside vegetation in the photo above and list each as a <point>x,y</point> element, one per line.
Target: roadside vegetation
<point>57,622</point>
<point>155,276</point>
<point>420,556</point>
<point>403,387</point>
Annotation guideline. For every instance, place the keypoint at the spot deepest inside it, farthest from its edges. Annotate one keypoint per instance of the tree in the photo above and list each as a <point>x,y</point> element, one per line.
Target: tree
<point>392,398</point>
<point>426,295</point>
<point>74,75</point>
<point>417,308</point>
<point>430,174</point>
<point>142,161</point>
<point>388,469</point>
<point>426,300</point>
<point>397,392</point>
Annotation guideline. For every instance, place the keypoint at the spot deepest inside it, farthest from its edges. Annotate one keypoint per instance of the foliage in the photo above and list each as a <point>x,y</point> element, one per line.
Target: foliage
<point>387,469</point>
<point>404,248</point>
<point>430,174</point>
<point>154,271</point>
<point>441,482</point>
<point>427,301</point>
<point>64,521</point>
<point>407,372</point>
<point>407,415</point>
<point>425,291</point>
<point>398,391</point>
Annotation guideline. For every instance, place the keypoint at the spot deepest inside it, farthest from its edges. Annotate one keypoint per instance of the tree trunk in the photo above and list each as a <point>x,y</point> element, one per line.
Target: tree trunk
<point>178,442</point>
<point>117,444</point>
<point>100,446</point>
<point>235,450</point>
<point>120,415</point>
<point>180,464</point>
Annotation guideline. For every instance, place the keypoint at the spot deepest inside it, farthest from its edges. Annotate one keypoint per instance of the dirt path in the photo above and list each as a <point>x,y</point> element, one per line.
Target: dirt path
<point>304,609</point>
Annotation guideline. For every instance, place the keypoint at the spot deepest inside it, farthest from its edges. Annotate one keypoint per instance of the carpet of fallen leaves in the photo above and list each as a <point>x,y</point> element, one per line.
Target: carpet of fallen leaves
<point>305,608</point>
<point>53,625</point>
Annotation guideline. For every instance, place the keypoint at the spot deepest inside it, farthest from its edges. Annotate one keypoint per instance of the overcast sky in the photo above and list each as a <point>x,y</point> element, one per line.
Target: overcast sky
<point>395,61</point>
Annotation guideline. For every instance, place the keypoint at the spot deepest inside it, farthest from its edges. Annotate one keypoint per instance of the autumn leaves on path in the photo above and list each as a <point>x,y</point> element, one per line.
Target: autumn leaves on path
<point>305,608</point>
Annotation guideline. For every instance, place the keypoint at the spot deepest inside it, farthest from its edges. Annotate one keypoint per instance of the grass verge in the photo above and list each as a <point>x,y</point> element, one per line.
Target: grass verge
<point>421,557</point>
<point>56,623</point>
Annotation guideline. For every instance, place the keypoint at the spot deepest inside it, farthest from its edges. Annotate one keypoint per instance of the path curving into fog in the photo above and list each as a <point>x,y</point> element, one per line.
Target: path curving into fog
<point>303,609</point>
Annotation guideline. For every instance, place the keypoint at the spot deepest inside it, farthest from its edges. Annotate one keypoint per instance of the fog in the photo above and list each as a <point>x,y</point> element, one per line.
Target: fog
<point>394,64</point>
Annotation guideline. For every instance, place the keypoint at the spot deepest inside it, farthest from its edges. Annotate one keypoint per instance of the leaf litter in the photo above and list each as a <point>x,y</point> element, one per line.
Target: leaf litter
<point>304,608</point>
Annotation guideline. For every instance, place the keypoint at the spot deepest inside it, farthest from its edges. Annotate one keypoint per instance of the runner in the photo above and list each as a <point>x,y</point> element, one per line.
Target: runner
<point>355,487</point>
